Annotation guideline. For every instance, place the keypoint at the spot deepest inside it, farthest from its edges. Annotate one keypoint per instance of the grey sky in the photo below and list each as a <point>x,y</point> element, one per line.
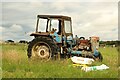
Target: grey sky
<point>88,18</point>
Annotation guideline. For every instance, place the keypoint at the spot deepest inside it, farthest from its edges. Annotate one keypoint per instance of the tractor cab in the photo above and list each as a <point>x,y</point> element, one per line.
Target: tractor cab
<point>56,27</point>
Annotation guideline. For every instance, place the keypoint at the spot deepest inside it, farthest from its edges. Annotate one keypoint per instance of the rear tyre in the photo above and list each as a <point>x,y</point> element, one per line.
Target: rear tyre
<point>43,48</point>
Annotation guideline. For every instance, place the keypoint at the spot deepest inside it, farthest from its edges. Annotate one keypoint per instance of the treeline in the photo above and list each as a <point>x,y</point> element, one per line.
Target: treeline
<point>12,41</point>
<point>109,43</point>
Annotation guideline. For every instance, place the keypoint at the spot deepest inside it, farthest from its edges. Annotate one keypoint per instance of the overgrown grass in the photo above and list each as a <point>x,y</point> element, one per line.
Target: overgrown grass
<point>15,64</point>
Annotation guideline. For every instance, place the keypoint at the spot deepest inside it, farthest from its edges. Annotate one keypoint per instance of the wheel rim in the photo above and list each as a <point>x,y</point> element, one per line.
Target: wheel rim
<point>42,50</point>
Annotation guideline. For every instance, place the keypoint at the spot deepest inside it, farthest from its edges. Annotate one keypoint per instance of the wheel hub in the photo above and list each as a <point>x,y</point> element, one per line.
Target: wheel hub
<point>42,51</point>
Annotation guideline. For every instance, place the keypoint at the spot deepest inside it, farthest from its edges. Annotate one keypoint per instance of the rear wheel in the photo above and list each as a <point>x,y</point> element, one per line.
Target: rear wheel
<point>43,48</point>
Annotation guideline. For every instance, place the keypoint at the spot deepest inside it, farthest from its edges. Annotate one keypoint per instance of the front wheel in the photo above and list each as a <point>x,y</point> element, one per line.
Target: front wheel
<point>99,57</point>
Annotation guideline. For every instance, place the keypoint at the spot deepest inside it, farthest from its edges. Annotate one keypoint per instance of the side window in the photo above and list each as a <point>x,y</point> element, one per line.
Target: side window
<point>67,25</point>
<point>42,25</point>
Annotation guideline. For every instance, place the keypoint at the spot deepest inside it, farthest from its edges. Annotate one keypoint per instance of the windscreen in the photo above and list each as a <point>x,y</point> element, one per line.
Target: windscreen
<point>53,24</point>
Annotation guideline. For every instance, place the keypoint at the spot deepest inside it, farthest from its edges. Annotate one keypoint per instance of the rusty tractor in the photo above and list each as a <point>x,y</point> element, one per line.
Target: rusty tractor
<point>54,37</point>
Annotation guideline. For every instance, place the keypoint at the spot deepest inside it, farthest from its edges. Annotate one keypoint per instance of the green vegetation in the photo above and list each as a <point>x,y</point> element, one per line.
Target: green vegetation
<point>15,64</point>
<point>110,43</point>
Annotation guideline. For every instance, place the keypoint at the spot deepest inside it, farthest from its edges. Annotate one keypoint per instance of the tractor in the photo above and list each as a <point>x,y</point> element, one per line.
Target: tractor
<point>53,37</point>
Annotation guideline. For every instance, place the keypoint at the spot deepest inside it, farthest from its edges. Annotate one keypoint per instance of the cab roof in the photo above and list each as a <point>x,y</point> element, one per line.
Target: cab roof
<point>54,17</point>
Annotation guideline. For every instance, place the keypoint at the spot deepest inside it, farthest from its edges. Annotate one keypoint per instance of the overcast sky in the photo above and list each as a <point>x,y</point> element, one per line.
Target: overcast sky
<point>88,18</point>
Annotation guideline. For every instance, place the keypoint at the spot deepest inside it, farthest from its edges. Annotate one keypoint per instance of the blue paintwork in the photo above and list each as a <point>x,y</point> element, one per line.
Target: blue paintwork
<point>70,51</point>
<point>96,53</point>
<point>76,52</point>
<point>57,37</point>
<point>69,38</point>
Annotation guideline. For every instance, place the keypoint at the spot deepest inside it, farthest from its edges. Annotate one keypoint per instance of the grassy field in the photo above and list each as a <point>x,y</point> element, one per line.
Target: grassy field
<point>15,64</point>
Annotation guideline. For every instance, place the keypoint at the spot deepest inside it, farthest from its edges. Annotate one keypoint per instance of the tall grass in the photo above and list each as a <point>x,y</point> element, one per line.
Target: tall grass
<point>15,64</point>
